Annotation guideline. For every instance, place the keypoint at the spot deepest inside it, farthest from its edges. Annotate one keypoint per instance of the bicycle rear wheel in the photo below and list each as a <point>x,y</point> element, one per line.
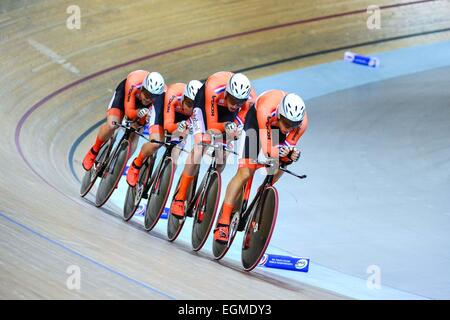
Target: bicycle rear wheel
<point>91,176</point>
<point>206,210</point>
<point>158,195</point>
<point>174,225</point>
<point>134,195</point>
<point>110,180</point>
<point>220,249</point>
<point>259,229</point>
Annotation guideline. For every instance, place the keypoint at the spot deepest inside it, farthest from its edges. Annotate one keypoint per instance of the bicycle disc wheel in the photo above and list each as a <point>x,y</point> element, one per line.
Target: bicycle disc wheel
<point>259,229</point>
<point>204,219</point>
<point>91,176</point>
<point>134,195</point>
<point>158,195</point>
<point>110,180</point>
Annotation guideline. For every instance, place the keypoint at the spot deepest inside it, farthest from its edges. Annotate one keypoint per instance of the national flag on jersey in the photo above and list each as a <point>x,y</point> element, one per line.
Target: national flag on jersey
<point>239,121</point>
<point>220,89</point>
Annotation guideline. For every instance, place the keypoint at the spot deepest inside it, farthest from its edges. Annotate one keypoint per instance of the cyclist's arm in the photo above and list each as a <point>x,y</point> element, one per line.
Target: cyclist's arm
<point>266,134</point>
<point>204,100</point>
<point>169,114</point>
<point>212,116</point>
<point>199,101</point>
<point>242,114</point>
<point>130,101</point>
<point>294,136</point>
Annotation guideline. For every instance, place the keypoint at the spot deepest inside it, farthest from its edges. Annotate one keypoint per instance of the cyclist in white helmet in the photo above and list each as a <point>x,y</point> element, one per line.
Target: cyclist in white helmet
<point>178,107</point>
<point>134,97</point>
<point>275,125</point>
<point>220,107</point>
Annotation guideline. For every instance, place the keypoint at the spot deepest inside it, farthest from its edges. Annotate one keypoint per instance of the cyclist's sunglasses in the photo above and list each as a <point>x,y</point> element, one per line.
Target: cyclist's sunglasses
<point>235,101</point>
<point>189,102</point>
<point>148,95</point>
<point>290,124</point>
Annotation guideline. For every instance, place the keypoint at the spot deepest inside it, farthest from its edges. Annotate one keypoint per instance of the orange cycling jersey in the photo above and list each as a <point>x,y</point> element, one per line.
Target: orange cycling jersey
<point>266,114</point>
<point>173,108</point>
<point>132,89</point>
<point>213,104</point>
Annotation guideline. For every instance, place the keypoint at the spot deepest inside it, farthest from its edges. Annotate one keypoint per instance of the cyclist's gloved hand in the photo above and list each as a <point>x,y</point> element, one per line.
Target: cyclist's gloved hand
<point>295,154</point>
<point>239,130</point>
<point>283,151</point>
<point>182,126</point>
<point>142,112</point>
<point>231,129</point>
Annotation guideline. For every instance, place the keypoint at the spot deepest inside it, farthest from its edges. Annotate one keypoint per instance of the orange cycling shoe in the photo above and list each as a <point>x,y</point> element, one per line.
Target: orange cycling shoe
<point>177,208</point>
<point>222,233</point>
<point>133,175</point>
<point>89,159</point>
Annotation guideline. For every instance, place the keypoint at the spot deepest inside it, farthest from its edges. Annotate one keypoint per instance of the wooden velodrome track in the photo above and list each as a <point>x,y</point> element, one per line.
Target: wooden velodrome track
<point>55,83</point>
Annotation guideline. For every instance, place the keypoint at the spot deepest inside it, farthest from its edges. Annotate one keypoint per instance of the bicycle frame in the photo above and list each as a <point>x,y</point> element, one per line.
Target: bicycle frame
<point>245,212</point>
<point>126,136</point>
<point>99,171</point>
<point>169,147</point>
<point>212,167</point>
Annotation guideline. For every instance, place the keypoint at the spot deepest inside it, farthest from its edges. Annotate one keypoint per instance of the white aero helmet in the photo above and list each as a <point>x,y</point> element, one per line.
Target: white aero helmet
<point>292,107</point>
<point>154,83</point>
<point>192,88</point>
<point>239,86</point>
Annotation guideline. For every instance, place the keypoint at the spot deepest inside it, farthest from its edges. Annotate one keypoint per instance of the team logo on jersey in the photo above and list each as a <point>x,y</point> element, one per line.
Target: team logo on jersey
<point>212,105</point>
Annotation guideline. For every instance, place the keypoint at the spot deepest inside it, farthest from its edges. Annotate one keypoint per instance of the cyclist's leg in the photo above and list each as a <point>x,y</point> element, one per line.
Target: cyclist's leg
<point>277,173</point>
<point>104,134</point>
<point>176,136</point>
<point>146,151</point>
<point>190,169</point>
<point>114,114</point>
<point>244,173</point>
<point>194,158</point>
<point>221,155</point>
<point>149,148</point>
<point>246,170</point>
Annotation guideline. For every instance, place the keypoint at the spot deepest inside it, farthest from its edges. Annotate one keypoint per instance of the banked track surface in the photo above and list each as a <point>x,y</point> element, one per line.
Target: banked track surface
<point>46,227</point>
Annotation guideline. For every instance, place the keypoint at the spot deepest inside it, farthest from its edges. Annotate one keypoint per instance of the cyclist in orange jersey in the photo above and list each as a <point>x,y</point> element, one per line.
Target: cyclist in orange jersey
<point>220,107</point>
<point>138,96</point>
<point>275,125</point>
<point>178,107</point>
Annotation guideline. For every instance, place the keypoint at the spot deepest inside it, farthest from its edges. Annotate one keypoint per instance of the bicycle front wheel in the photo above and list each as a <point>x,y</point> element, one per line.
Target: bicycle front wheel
<point>259,229</point>
<point>111,176</point>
